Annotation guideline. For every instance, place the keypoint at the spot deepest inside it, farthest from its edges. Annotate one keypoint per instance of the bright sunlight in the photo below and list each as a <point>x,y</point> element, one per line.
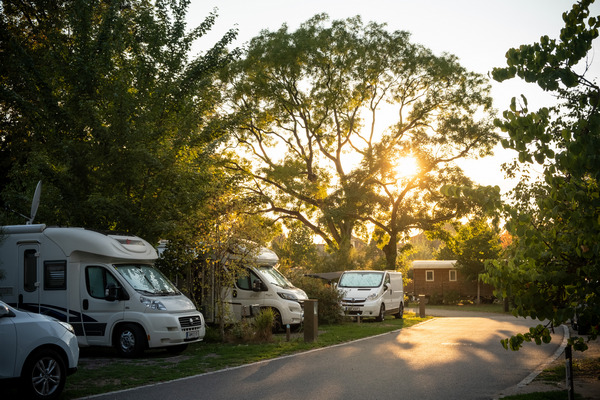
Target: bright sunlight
<point>406,167</point>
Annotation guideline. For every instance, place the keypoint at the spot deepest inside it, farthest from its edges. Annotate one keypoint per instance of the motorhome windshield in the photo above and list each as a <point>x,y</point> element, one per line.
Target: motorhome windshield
<point>361,279</point>
<point>275,277</point>
<point>146,279</point>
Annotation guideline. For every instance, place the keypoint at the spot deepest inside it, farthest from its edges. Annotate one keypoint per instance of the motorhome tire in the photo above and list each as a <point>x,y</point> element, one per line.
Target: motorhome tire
<point>277,322</point>
<point>400,314</point>
<point>381,315</point>
<point>44,375</point>
<point>130,340</point>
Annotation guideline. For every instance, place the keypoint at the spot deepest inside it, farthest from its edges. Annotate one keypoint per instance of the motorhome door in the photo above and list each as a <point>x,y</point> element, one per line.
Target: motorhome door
<point>246,293</point>
<point>98,310</point>
<point>29,281</point>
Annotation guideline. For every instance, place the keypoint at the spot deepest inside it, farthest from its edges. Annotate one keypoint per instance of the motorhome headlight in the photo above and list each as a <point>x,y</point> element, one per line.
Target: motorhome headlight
<point>288,296</point>
<point>152,304</point>
<point>372,296</point>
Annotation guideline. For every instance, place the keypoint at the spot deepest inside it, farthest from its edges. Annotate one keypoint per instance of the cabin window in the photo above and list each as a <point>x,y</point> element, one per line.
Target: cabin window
<point>429,276</point>
<point>452,276</point>
<point>30,272</point>
<point>245,279</point>
<point>55,275</point>
<point>97,280</point>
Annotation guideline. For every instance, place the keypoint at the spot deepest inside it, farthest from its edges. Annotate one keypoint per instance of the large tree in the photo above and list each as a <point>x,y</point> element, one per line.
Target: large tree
<point>554,270</point>
<point>102,102</point>
<point>326,114</point>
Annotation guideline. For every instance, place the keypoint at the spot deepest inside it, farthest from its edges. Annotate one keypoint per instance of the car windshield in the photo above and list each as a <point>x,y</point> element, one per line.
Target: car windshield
<point>361,279</point>
<point>146,279</point>
<point>274,277</point>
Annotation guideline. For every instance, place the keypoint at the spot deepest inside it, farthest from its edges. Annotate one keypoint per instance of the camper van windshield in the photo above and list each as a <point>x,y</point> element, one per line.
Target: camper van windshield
<point>361,279</point>
<point>146,279</point>
<point>275,277</point>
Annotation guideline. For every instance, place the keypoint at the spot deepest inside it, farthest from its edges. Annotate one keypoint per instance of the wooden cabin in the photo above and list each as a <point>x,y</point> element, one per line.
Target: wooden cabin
<point>441,278</point>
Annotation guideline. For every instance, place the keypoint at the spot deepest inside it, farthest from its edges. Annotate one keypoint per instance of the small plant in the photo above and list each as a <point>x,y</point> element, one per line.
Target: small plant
<point>263,325</point>
<point>452,297</point>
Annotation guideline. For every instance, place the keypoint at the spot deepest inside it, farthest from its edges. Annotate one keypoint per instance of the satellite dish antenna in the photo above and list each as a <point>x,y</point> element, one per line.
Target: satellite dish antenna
<point>35,202</point>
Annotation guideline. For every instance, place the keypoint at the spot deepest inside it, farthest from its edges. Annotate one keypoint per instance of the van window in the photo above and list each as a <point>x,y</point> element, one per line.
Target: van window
<point>30,270</point>
<point>361,279</point>
<point>55,275</point>
<point>96,281</point>
<point>245,279</point>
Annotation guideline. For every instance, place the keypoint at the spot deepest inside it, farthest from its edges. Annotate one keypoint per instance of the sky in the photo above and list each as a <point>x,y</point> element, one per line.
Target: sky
<point>478,32</point>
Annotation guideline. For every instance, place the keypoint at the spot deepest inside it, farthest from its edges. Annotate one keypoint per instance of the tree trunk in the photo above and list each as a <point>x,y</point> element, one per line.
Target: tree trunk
<point>391,252</point>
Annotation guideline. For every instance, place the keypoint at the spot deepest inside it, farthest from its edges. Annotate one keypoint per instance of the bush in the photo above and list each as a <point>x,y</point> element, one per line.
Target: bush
<point>263,325</point>
<point>330,309</point>
<point>452,297</point>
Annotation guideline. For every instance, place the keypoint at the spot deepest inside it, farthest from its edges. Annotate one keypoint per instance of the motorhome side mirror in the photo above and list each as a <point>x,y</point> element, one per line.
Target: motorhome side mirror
<point>112,292</point>
<point>259,286</point>
<point>386,286</point>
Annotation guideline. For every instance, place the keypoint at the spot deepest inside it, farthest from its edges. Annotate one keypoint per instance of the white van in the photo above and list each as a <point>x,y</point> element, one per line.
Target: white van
<point>258,285</point>
<point>105,286</point>
<point>372,293</point>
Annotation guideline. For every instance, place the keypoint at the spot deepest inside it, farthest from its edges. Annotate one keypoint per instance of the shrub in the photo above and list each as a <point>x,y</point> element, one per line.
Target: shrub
<point>452,297</point>
<point>329,307</point>
<point>263,325</point>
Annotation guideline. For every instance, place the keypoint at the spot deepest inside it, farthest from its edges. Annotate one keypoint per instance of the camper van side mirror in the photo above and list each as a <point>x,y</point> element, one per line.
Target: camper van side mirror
<point>112,292</point>
<point>259,286</point>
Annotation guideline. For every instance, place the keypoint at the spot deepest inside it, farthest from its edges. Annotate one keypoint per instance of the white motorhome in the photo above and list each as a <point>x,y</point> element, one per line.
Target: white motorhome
<point>258,285</point>
<point>105,286</point>
<point>372,293</point>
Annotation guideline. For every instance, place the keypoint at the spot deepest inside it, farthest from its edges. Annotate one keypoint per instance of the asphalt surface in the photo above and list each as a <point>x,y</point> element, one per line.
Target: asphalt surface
<point>445,358</point>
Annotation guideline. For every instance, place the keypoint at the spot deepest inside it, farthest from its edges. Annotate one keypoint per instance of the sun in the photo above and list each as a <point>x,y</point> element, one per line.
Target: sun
<point>406,167</point>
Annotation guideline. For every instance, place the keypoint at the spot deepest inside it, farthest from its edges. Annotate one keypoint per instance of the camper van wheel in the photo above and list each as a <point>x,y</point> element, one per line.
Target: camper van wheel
<point>400,314</point>
<point>277,323</point>
<point>130,340</point>
<point>44,375</point>
<point>381,315</point>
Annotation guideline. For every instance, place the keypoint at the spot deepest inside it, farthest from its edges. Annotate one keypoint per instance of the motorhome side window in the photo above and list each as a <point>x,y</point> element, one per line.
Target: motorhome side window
<point>55,275</point>
<point>97,279</point>
<point>30,270</point>
<point>245,279</point>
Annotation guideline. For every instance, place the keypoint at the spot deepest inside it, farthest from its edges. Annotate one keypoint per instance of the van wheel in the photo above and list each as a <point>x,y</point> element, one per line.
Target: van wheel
<point>44,375</point>
<point>277,323</point>
<point>400,314</point>
<point>381,315</point>
<point>130,340</point>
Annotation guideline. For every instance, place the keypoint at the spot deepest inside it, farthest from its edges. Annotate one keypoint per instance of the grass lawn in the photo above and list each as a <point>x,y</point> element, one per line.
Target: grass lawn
<point>101,371</point>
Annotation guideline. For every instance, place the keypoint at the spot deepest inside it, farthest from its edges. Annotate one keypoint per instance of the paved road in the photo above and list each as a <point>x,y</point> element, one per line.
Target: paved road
<point>444,358</point>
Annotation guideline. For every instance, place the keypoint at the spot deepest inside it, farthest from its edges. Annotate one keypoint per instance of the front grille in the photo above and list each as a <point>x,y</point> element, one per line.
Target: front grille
<point>191,321</point>
<point>353,301</point>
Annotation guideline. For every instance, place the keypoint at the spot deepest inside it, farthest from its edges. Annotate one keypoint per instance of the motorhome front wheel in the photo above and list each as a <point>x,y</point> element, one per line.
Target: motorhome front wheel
<point>130,340</point>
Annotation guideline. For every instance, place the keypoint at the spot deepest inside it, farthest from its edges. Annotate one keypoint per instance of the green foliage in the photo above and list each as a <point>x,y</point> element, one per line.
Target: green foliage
<point>472,244</point>
<point>263,324</point>
<point>305,103</point>
<point>554,267</point>
<point>101,102</point>
<point>329,298</point>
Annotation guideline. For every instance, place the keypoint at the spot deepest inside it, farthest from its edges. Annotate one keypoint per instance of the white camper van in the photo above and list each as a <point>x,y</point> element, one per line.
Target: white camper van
<point>372,293</point>
<point>105,286</point>
<point>257,286</point>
